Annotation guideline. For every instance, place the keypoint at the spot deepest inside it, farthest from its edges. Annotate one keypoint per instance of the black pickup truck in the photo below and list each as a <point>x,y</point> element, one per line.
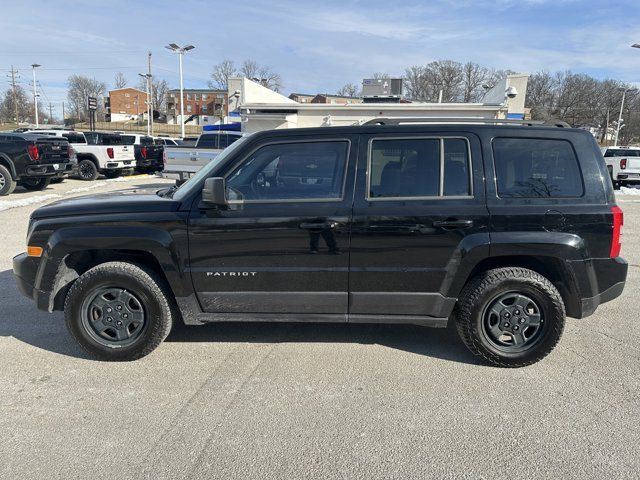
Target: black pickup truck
<point>149,153</point>
<point>32,161</point>
<point>502,229</point>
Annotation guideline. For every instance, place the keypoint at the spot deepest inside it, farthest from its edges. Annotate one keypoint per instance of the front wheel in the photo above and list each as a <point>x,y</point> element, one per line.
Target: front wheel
<point>510,317</point>
<point>118,311</point>
<point>35,184</point>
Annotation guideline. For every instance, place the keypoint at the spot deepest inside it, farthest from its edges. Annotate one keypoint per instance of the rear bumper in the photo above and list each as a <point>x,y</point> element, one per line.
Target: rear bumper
<point>598,280</point>
<point>48,170</point>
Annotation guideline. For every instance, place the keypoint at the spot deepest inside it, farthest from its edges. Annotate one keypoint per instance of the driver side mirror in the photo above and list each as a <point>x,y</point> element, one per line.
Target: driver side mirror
<point>214,191</point>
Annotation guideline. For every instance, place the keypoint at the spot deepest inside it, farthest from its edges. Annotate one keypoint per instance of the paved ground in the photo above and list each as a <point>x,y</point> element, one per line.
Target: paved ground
<point>315,401</point>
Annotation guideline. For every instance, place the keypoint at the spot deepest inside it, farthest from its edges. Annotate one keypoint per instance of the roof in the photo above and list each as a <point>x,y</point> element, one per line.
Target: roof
<point>374,106</point>
<point>197,90</point>
<point>519,130</point>
<point>127,88</point>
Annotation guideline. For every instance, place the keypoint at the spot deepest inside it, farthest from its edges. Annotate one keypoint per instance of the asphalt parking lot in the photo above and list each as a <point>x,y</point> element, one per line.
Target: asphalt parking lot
<point>313,400</point>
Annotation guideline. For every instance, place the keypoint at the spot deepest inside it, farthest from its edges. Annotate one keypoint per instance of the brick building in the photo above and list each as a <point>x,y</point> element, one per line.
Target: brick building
<point>201,106</point>
<point>125,104</point>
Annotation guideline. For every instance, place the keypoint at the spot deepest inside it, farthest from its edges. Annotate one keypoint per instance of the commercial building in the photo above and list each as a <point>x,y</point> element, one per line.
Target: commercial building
<point>201,106</point>
<point>259,108</point>
<point>125,104</point>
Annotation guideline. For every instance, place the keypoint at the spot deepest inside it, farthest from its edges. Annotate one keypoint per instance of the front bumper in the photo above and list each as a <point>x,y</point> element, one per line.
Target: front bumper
<point>25,270</point>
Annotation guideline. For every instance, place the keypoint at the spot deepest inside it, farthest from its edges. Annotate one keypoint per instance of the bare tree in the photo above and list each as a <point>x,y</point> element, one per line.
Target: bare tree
<point>23,103</point>
<point>349,90</point>
<point>473,77</point>
<point>249,69</point>
<point>380,76</point>
<point>221,74</point>
<point>119,81</point>
<point>79,89</point>
<point>160,89</point>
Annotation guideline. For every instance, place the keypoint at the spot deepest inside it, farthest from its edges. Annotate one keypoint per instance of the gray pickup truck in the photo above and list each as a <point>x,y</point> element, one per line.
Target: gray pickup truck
<point>182,162</point>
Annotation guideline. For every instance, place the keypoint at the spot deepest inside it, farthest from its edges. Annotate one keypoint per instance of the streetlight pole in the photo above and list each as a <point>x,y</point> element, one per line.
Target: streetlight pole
<point>35,94</point>
<point>146,77</point>
<point>181,51</point>
<point>615,140</point>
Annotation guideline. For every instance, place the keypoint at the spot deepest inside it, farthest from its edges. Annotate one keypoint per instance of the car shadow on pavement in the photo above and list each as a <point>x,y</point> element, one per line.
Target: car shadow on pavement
<point>20,319</point>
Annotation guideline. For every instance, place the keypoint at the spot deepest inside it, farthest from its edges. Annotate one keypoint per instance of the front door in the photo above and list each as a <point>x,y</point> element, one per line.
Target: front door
<point>419,206</point>
<point>282,245</point>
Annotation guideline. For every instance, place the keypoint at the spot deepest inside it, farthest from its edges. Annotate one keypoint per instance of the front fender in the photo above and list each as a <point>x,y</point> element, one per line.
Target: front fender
<point>54,273</point>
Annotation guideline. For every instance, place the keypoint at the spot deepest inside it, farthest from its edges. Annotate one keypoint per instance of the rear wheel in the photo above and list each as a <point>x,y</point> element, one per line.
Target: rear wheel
<point>7,184</point>
<point>118,311</point>
<point>510,317</point>
<point>35,184</point>
<point>87,170</point>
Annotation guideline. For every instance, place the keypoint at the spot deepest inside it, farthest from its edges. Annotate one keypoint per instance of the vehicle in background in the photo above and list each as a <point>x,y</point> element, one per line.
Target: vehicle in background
<point>32,161</point>
<point>623,164</point>
<point>167,141</point>
<point>188,141</point>
<point>183,161</point>
<point>147,152</point>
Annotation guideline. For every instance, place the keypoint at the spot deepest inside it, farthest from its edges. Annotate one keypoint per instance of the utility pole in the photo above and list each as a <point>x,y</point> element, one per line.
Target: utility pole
<point>35,94</point>
<point>150,94</point>
<point>63,113</point>
<point>15,98</point>
<point>50,112</point>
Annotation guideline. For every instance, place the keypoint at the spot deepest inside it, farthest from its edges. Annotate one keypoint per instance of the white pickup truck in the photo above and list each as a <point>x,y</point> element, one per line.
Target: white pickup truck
<point>181,162</point>
<point>623,164</point>
<point>96,157</point>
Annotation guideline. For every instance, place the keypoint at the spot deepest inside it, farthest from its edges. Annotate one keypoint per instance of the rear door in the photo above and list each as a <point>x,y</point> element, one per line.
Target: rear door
<point>419,206</point>
<point>282,246</point>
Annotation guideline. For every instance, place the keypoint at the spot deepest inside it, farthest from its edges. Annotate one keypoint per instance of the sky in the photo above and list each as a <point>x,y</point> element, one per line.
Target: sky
<point>314,46</point>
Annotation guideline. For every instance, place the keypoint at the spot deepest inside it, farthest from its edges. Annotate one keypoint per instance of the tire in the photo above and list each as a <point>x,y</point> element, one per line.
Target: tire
<point>112,173</point>
<point>126,289</point>
<point>484,310</point>
<point>616,184</point>
<point>87,170</point>
<point>7,183</point>
<point>35,184</point>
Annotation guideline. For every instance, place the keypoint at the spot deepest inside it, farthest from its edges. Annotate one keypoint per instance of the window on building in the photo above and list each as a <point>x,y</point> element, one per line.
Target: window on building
<point>536,167</point>
<point>189,108</point>
<point>204,96</point>
<point>196,97</point>
<point>204,109</point>
<point>127,95</point>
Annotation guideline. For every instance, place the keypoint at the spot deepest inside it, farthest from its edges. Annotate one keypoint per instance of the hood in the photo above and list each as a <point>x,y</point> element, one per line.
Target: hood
<point>128,201</point>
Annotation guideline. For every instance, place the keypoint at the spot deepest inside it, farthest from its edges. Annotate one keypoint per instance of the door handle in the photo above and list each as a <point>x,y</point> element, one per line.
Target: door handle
<point>453,223</point>
<point>318,225</point>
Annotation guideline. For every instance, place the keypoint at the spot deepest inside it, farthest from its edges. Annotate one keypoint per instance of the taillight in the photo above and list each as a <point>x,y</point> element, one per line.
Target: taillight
<point>34,153</point>
<point>623,164</point>
<point>110,152</point>
<point>618,221</point>
<point>143,152</point>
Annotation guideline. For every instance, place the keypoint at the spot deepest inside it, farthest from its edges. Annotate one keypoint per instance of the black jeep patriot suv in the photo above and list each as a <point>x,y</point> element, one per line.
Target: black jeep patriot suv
<point>502,229</point>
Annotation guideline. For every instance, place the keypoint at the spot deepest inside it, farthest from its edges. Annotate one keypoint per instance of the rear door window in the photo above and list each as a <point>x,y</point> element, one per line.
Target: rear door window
<point>536,167</point>
<point>419,167</point>
<point>75,137</point>
<point>208,141</point>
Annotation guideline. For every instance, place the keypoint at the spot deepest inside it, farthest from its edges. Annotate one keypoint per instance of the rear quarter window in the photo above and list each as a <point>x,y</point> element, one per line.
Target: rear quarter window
<point>535,168</point>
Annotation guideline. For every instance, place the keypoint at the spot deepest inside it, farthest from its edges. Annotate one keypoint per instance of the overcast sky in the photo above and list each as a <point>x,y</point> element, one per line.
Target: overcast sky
<point>315,46</point>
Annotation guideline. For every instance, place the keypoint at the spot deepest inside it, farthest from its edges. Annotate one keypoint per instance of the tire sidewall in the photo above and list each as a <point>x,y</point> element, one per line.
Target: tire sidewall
<point>6,189</point>
<point>151,306</point>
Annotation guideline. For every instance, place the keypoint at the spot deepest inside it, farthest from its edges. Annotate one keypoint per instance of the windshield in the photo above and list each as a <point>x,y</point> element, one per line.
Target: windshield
<point>128,139</point>
<point>196,181</point>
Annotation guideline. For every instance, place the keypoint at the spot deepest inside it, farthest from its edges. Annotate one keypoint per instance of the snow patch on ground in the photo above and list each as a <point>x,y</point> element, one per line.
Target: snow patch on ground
<point>23,202</point>
<point>628,191</point>
<point>87,188</point>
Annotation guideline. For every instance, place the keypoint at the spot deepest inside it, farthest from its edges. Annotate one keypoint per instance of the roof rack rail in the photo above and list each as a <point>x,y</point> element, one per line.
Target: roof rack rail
<point>499,121</point>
